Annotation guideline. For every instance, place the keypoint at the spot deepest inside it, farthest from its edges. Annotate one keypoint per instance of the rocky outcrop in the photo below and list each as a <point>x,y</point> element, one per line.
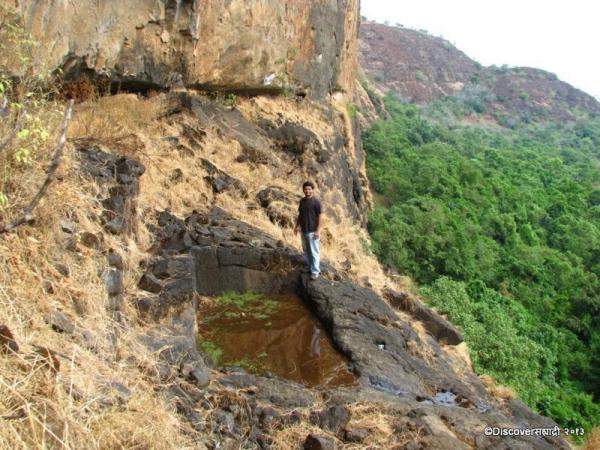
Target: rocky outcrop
<point>212,254</point>
<point>240,45</point>
<point>410,375</point>
<point>280,205</point>
<point>120,175</point>
<point>386,352</point>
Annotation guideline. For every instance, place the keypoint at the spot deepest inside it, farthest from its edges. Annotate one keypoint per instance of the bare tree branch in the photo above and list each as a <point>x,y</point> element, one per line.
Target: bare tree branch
<point>28,211</point>
<point>14,131</point>
<point>4,107</point>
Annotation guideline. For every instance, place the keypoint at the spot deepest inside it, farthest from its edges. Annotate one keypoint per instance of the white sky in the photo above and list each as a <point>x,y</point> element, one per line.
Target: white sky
<point>560,36</point>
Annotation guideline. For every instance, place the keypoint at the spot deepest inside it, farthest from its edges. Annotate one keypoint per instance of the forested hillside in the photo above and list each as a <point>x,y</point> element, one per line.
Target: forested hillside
<point>500,227</point>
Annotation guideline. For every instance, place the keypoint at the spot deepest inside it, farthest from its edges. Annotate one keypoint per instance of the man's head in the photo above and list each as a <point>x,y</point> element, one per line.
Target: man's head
<point>308,188</point>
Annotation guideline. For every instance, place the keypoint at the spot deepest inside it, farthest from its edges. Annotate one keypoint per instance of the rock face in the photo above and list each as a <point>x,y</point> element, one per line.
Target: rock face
<point>236,44</point>
<point>420,68</point>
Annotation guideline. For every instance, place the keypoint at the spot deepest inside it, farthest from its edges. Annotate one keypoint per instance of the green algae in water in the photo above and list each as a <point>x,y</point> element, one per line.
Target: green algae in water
<point>211,349</point>
<point>234,305</point>
<point>276,334</point>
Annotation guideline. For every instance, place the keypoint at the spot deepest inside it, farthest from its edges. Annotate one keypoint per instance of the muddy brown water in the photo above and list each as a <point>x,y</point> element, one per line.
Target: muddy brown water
<point>283,338</point>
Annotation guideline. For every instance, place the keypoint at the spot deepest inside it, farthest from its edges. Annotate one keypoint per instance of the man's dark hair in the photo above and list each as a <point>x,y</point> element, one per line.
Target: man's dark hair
<point>308,183</point>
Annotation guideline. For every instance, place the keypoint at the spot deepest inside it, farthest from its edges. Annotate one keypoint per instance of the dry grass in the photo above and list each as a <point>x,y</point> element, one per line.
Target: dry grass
<point>593,441</point>
<point>497,391</point>
<point>116,121</point>
<point>378,422</point>
<point>44,269</point>
<point>292,437</point>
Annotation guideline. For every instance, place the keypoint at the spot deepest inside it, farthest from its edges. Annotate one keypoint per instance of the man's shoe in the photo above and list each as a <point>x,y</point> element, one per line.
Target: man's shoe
<point>314,276</point>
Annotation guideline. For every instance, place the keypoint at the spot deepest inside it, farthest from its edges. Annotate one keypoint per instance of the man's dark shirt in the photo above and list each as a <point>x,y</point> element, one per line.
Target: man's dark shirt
<point>309,211</point>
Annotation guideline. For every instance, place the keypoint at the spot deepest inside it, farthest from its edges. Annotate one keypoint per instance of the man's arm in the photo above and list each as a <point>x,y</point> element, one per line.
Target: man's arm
<point>319,226</point>
<point>319,222</point>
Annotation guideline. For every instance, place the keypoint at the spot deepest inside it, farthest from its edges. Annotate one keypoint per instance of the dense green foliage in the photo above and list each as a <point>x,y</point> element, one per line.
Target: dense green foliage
<point>502,228</point>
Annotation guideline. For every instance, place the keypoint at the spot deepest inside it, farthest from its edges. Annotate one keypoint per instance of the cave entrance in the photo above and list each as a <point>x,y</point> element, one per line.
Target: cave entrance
<point>266,333</point>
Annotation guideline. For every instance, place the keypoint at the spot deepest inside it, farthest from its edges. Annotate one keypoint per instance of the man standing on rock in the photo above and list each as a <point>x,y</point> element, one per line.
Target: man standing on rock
<point>309,222</point>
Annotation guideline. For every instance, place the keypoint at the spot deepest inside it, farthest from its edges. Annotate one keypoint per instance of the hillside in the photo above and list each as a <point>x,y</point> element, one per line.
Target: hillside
<point>487,199</point>
<point>153,154</point>
<point>421,68</point>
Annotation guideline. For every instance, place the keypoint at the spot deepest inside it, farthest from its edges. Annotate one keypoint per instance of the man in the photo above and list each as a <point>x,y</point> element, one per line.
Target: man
<point>309,222</point>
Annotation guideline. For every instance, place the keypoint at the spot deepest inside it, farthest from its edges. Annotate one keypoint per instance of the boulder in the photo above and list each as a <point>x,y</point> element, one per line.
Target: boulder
<point>8,344</point>
<point>316,442</point>
<point>113,281</point>
<point>356,435</point>
<point>280,205</point>
<point>121,174</point>
<point>295,139</point>
<point>150,283</point>
<point>334,418</point>
<point>221,181</point>
<point>60,322</point>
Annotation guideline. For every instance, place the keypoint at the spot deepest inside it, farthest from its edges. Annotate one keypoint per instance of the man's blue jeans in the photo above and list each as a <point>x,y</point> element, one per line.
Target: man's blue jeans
<point>310,245</point>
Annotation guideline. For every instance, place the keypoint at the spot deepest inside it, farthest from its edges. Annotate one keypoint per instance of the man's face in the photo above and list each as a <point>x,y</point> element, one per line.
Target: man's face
<point>308,191</point>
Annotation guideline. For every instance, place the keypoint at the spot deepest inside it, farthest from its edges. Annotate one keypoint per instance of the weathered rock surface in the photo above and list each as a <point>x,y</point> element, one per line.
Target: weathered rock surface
<point>316,442</point>
<point>121,177</point>
<point>175,343</point>
<point>221,181</point>
<point>384,350</point>
<point>212,44</point>
<point>442,330</point>
<point>212,254</point>
<point>60,322</point>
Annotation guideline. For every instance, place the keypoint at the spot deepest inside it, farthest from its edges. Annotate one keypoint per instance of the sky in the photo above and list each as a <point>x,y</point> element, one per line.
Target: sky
<point>560,36</point>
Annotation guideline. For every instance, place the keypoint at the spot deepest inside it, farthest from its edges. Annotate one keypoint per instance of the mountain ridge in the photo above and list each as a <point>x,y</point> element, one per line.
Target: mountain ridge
<point>420,68</point>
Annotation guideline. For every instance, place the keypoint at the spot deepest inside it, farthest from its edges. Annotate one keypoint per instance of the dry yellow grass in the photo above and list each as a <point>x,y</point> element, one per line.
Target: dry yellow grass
<point>593,441</point>
<point>292,437</point>
<point>497,391</point>
<point>66,410</point>
<point>374,418</point>
<point>44,269</point>
<point>115,121</point>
